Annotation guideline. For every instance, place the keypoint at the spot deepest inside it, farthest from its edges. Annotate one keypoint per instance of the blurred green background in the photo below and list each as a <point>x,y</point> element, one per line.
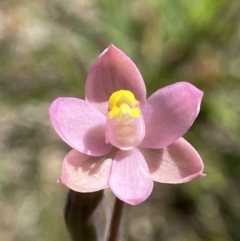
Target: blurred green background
<point>46,49</point>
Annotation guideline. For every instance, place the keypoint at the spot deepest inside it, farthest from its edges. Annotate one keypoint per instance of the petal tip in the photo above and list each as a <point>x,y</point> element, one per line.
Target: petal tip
<point>110,48</point>
<point>53,106</point>
<point>137,200</point>
<point>194,176</point>
<point>202,175</point>
<point>53,109</point>
<point>194,88</point>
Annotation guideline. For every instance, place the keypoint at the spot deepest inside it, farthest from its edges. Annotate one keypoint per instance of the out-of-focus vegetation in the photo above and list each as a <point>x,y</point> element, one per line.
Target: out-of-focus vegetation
<point>46,49</point>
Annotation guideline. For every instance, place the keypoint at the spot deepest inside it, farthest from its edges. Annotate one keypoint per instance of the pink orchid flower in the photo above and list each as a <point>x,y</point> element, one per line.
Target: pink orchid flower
<point>122,140</point>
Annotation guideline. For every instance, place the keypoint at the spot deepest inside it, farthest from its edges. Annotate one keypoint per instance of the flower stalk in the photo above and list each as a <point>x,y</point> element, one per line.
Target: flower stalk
<point>116,220</point>
<point>79,214</point>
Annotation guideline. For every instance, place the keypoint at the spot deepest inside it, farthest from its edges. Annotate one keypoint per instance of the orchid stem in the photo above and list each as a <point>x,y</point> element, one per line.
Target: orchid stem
<point>116,220</point>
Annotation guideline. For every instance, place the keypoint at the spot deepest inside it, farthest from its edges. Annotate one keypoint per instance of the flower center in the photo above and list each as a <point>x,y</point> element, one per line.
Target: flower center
<point>125,126</point>
<point>122,104</point>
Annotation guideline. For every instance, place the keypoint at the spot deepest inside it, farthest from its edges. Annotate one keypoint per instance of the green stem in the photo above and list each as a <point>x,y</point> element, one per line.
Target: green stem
<point>116,219</point>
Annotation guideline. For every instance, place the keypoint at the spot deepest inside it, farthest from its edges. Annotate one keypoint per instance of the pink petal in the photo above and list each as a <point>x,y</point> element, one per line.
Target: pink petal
<point>169,112</point>
<point>113,70</point>
<point>125,136</point>
<point>130,180</point>
<point>177,163</point>
<point>83,173</point>
<point>80,125</point>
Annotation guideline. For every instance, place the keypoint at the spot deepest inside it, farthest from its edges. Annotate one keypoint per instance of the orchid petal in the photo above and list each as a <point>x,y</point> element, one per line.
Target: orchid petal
<point>177,163</point>
<point>169,113</point>
<point>112,71</point>
<point>83,173</point>
<point>80,125</point>
<point>125,136</point>
<point>130,180</point>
